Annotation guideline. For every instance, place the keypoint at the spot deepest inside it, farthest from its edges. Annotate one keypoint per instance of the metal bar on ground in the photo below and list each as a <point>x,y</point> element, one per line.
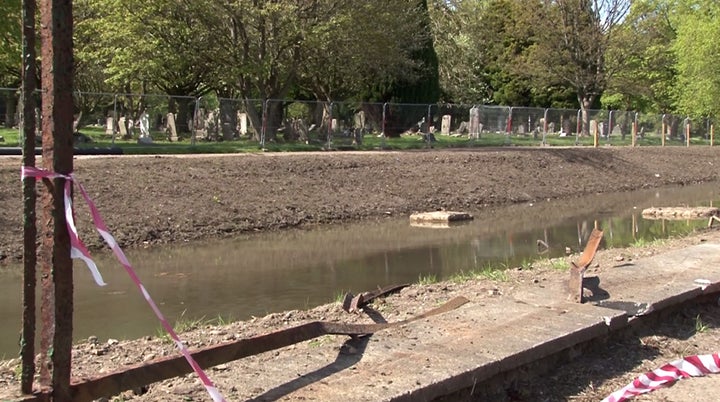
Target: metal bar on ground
<point>169,367</point>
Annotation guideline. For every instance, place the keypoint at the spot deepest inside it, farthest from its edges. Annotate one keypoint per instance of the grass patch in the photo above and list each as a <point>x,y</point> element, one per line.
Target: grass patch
<point>427,279</point>
<point>560,264</point>
<point>372,141</point>
<point>494,274</point>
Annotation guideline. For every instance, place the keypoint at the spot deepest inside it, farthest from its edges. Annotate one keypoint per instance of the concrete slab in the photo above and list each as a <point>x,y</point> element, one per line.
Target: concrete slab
<point>486,337</point>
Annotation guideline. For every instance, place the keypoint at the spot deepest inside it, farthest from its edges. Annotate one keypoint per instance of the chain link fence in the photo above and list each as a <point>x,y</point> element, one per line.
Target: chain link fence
<point>145,119</point>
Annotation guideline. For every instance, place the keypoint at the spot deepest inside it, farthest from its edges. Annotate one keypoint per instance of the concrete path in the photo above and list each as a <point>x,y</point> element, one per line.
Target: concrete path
<point>487,337</point>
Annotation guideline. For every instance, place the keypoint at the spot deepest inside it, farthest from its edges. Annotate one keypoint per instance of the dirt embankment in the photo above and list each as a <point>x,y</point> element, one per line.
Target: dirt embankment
<point>168,199</point>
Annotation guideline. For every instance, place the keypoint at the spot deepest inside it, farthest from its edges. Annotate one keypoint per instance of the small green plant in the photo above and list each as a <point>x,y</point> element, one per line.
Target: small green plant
<point>561,264</point>
<point>427,279</point>
<point>340,296</point>
<point>498,275</point>
<point>700,326</point>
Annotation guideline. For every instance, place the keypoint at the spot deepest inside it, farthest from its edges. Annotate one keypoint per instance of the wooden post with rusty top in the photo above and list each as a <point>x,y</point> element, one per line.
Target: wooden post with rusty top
<point>29,85</point>
<point>56,310</point>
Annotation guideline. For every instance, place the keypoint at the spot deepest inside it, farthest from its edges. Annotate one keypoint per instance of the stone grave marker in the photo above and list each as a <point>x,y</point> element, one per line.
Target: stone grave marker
<point>474,127</point>
<point>445,125</point>
<point>109,126</point>
<point>145,137</point>
<point>122,126</point>
<point>242,123</point>
<point>171,129</point>
<point>521,129</point>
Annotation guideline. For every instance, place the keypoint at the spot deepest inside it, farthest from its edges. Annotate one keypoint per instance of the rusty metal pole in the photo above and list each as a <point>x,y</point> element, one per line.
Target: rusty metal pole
<point>29,84</point>
<point>57,146</point>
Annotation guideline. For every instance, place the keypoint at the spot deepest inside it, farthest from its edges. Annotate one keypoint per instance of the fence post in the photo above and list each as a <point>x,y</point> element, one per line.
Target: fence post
<point>634,130</point>
<point>578,127</point>
<point>712,134</point>
<point>662,134</point>
<point>429,118</point>
<point>687,131</point>
<point>384,121</point>
<point>545,126</point>
<point>56,311</point>
<point>264,123</point>
<point>610,125</point>
<point>28,123</point>
<point>195,121</point>
<point>330,119</point>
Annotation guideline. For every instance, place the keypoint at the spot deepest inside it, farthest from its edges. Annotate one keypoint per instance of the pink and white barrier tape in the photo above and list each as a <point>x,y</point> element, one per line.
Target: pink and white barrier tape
<point>79,251</point>
<point>692,366</point>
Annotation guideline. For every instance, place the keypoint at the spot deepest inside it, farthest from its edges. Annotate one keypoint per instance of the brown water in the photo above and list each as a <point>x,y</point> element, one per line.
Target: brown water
<point>259,274</point>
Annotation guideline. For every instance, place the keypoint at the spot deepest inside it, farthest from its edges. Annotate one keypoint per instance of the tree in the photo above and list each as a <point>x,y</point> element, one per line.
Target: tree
<point>572,38</point>
<point>10,57</point>
<point>145,44</point>
<point>697,47</point>
<point>642,56</point>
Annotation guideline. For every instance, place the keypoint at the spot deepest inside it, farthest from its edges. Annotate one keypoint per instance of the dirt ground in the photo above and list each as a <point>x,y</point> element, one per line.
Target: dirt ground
<point>157,200</point>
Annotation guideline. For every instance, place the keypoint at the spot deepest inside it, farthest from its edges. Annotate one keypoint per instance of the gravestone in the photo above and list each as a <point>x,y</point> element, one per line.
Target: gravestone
<point>242,123</point>
<point>171,129</point>
<point>593,128</point>
<point>521,129</point>
<point>144,129</point>
<point>211,125</point>
<point>551,127</point>
<point>446,124</point>
<point>109,126</point>
<point>360,120</point>
<point>566,127</point>
<point>198,124</point>
<point>601,128</point>
<point>334,125</point>
<point>122,126</point>
<point>617,130</point>
<point>475,127</point>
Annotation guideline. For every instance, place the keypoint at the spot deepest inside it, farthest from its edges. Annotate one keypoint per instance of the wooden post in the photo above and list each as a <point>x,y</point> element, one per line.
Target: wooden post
<point>634,132</point>
<point>687,132</point>
<point>662,136</point>
<point>596,136</point>
<point>29,84</point>
<point>57,155</point>
<point>712,134</point>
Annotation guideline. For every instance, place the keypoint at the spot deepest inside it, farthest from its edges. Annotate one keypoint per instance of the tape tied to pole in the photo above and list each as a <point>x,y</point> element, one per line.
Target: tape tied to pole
<point>78,250</point>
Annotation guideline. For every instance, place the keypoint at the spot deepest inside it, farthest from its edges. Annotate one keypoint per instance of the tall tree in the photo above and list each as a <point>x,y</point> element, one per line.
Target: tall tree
<point>10,56</point>
<point>572,38</point>
<point>697,47</point>
<point>644,60</point>
<point>144,44</point>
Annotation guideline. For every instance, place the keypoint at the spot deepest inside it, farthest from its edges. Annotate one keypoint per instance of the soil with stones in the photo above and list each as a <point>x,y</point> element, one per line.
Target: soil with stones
<point>148,201</point>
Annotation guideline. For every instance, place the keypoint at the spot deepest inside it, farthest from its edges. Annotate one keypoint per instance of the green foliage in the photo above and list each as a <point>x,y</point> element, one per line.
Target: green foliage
<point>427,279</point>
<point>697,47</point>
<point>10,43</point>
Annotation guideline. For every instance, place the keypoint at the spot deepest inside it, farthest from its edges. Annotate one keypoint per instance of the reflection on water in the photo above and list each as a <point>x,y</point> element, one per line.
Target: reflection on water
<point>259,274</point>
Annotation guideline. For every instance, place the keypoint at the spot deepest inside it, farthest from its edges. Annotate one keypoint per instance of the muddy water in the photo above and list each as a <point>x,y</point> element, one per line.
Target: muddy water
<point>260,274</point>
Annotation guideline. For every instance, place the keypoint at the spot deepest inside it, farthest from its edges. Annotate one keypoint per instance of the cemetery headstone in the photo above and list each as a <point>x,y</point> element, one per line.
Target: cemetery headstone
<point>171,128</point>
<point>145,137</point>
<point>593,128</point>
<point>475,126</point>
<point>242,123</point>
<point>445,125</point>
<point>122,126</point>
<point>109,126</point>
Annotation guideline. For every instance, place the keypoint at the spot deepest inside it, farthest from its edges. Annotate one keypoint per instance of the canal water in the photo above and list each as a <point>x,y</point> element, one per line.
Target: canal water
<point>254,275</point>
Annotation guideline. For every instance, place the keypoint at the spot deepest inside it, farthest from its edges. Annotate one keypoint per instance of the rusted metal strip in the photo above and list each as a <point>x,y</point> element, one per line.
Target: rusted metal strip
<point>355,303</point>
<point>577,270</point>
<point>169,367</point>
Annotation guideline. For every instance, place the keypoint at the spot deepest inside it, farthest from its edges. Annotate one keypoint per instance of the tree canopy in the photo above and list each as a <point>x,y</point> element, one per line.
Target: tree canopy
<point>646,55</point>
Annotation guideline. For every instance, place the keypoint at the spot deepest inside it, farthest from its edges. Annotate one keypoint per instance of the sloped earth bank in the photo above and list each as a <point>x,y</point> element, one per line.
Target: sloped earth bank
<point>156,200</point>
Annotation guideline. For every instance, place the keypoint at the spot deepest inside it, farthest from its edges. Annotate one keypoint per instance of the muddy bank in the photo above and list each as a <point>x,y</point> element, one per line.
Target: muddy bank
<point>171,199</point>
